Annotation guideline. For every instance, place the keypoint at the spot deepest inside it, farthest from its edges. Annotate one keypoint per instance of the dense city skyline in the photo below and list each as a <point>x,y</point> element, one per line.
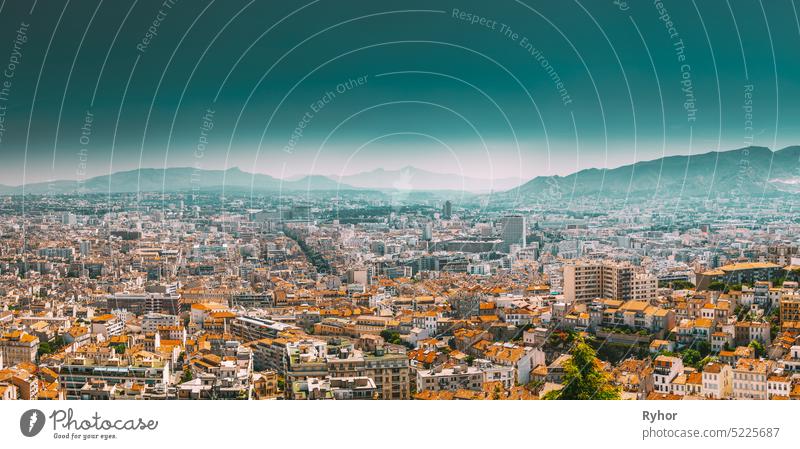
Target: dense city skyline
<point>400,200</point>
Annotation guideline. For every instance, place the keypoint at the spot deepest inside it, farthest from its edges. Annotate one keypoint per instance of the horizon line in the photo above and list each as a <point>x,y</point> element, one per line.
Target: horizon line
<point>337,178</point>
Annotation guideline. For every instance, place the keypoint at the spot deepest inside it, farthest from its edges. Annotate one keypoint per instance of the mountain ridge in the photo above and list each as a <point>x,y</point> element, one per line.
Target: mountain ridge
<point>747,171</point>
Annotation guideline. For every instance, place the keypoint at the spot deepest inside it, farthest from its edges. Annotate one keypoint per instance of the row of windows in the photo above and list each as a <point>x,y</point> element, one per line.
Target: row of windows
<point>757,377</point>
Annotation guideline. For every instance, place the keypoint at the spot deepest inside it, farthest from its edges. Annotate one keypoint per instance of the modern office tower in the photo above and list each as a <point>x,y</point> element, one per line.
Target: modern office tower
<point>427,232</point>
<point>85,247</point>
<point>447,210</point>
<point>69,219</point>
<point>588,280</point>
<point>513,231</point>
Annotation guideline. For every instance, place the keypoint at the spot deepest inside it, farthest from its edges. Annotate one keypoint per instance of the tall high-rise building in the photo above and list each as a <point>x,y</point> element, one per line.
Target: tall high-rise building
<point>85,247</point>
<point>513,231</point>
<point>583,281</point>
<point>588,280</point>
<point>447,210</point>
<point>427,232</point>
<point>69,219</point>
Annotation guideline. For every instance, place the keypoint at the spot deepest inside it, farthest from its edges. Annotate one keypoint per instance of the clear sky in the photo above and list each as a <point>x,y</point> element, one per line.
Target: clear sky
<point>503,88</point>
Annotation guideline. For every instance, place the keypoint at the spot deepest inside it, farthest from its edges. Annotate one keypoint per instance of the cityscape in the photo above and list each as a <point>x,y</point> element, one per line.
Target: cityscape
<point>354,295</point>
<point>401,200</point>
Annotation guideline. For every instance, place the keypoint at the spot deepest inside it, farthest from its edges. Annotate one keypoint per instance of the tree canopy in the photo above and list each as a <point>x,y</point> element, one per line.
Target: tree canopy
<point>758,348</point>
<point>584,378</point>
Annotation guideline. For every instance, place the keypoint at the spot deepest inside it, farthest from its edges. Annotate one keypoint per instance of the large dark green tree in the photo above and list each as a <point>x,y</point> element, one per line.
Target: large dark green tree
<point>691,357</point>
<point>758,348</point>
<point>583,376</point>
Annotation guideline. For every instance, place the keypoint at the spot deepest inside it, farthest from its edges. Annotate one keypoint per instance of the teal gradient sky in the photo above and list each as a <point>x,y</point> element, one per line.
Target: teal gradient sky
<point>440,93</point>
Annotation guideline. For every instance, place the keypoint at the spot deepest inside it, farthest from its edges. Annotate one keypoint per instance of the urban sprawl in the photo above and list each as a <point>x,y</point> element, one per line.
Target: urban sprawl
<point>314,296</point>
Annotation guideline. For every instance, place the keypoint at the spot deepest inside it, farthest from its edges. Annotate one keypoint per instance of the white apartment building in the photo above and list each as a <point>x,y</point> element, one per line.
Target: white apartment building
<point>17,347</point>
<point>460,377</point>
<point>107,325</point>
<point>665,370</point>
<point>644,287</point>
<point>717,381</point>
<point>506,375</point>
<point>152,321</point>
<point>779,385</point>
<point>142,367</point>
<point>522,358</point>
<point>750,379</point>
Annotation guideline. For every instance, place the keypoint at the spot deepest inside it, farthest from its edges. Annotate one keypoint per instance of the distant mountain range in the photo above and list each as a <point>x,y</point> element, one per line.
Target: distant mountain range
<point>411,178</point>
<point>178,179</point>
<point>234,179</point>
<point>746,171</point>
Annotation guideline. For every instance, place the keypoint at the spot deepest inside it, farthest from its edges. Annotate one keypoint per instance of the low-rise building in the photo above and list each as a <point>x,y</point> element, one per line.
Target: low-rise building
<point>717,381</point>
<point>18,347</point>
<point>750,379</point>
<point>459,377</point>
<point>665,370</point>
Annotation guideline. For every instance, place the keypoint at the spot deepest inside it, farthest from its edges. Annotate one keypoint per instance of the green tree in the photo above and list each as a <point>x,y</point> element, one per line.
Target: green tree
<point>759,348</point>
<point>496,392</point>
<point>391,337</point>
<point>187,375</point>
<point>704,348</point>
<point>451,343</point>
<point>716,286</point>
<point>774,330</point>
<point>535,386</point>
<point>735,287</point>
<point>706,360</point>
<point>691,357</point>
<point>676,285</point>
<point>45,348</point>
<point>583,377</point>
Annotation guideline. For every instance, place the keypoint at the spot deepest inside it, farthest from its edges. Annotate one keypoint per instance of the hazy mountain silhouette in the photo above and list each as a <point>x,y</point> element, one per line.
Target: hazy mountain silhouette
<point>177,179</point>
<point>745,171</point>
<point>412,178</point>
